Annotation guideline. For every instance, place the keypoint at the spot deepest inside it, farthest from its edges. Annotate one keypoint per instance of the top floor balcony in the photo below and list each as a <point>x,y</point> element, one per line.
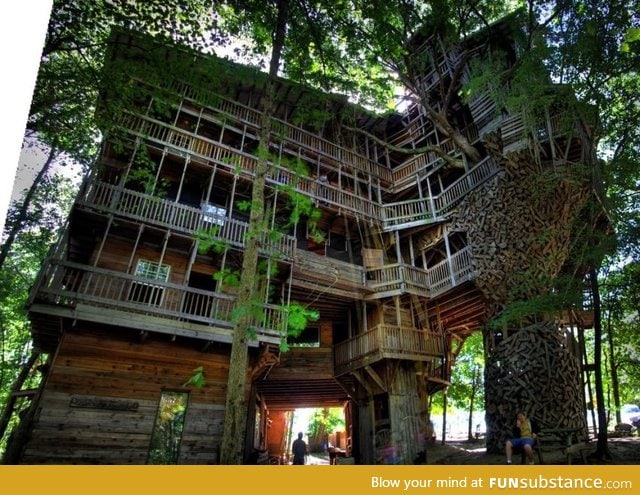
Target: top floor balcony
<point>388,216</point>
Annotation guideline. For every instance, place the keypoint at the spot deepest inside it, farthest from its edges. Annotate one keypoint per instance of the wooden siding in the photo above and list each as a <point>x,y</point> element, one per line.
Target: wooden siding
<point>108,368</point>
<point>303,363</point>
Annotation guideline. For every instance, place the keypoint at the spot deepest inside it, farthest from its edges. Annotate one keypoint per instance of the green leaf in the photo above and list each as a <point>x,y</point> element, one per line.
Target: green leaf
<point>197,379</point>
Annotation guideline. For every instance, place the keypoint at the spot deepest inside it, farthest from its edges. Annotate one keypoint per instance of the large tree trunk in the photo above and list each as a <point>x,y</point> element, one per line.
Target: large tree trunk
<point>615,386</point>
<point>472,401</point>
<point>233,438</point>
<point>22,214</point>
<point>17,386</point>
<point>602,447</point>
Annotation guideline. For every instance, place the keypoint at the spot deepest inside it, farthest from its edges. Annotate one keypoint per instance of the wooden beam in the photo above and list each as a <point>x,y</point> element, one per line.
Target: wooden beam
<point>376,378</point>
<point>362,381</point>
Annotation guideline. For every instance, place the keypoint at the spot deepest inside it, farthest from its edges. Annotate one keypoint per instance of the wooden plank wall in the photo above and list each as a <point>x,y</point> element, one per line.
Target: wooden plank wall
<point>117,253</point>
<point>123,380</point>
<point>404,410</point>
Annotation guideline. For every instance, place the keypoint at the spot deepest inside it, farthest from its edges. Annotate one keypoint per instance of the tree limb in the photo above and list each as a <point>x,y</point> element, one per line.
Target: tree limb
<point>412,151</point>
<point>26,203</point>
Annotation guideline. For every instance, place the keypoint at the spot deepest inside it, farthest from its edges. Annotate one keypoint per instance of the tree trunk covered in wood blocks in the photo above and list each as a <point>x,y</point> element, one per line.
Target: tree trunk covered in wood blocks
<point>519,226</point>
<point>533,371</point>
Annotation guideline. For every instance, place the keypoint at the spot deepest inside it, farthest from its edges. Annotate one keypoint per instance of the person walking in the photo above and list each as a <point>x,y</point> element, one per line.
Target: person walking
<point>299,450</point>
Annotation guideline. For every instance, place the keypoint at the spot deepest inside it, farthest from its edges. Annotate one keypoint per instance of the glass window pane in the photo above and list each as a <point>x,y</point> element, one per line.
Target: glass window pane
<point>213,214</point>
<point>151,270</point>
<point>167,430</point>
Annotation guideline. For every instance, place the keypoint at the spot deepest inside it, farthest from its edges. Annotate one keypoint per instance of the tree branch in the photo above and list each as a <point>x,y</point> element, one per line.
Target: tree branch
<point>412,151</point>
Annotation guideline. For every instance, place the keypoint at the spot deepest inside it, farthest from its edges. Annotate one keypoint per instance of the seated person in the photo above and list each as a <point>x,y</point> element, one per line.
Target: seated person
<point>524,436</point>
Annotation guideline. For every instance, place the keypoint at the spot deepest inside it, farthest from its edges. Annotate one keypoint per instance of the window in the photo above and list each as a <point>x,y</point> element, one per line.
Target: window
<point>144,292</point>
<point>213,214</point>
<point>153,271</point>
<point>310,337</point>
<point>168,427</point>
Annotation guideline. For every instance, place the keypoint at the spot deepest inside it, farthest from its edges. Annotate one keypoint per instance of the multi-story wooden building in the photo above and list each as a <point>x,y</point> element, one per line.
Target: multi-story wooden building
<point>415,254</point>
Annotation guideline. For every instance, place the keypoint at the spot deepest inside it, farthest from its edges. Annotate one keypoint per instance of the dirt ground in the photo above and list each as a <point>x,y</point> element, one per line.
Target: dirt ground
<point>624,450</point>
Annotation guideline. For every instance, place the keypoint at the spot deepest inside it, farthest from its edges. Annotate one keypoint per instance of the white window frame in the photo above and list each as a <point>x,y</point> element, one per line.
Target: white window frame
<point>149,270</point>
<point>214,214</point>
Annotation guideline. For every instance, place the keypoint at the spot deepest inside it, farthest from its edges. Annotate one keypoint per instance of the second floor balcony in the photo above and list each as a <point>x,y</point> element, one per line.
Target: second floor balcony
<point>387,342</point>
<point>106,296</point>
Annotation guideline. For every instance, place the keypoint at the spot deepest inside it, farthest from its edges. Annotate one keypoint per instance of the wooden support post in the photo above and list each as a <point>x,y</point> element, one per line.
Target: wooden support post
<point>157,177</point>
<point>104,239</point>
<point>135,247</point>
<point>165,241</point>
<point>192,258</point>
<point>449,260</point>
<point>358,376</point>
<point>184,173</point>
<point>376,378</point>
<point>431,200</point>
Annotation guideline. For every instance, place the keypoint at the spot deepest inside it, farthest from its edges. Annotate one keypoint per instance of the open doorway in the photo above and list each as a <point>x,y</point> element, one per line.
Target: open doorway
<point>323,430</point>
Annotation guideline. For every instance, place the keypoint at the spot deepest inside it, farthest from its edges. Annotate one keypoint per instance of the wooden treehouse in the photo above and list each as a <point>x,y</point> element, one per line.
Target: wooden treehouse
<point>414,256</point>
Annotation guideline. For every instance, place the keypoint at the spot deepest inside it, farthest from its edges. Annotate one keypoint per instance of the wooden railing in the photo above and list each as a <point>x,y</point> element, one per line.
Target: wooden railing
<point>290,133</point>
<point>397,178</point>
<point>401,278</point>
<point>479,174</point>
<point>451,272</point>
<point>413,211</point>
<point>389,216</point>
<point>177,216</point>
<point>334,272</point>
<point>514,134</point>
<point>398,278</point>
<point>387,341</point>
<point>483,110</point>
<point>69,284</point>
<point>233,160</point>
<point>397,215</point>
<point>423,165</point>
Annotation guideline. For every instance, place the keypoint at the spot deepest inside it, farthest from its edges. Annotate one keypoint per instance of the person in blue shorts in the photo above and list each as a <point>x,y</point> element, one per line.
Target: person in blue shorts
<point>524,436</point>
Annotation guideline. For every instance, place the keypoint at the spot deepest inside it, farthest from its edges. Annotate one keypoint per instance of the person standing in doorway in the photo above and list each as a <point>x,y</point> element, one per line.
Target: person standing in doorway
<point>299,450</point>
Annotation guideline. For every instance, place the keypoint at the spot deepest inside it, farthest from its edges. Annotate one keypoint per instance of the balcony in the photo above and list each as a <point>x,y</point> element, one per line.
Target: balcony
<point>387,342</point>
<point>94,294</point>
<point>399,278</point>
<point>168,214</point>
<point>391,216</point>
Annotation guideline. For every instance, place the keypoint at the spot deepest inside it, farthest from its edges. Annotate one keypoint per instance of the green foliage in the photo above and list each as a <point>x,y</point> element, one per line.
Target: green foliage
<point>325,420</point>
<point>253,311</point>
<point>297,317</point>
<point>197,379</point>
<point>244,205</point>
<point>567,293</point>
<point>303,206</point>
<point>71,72</point>
<point>620,299</point>
<point>143,175</point>
<point>209,240</point>
<point>228,277</point>
<point>168,427</point>
<point>468,374</point>
<point>39,230</point>
<point>631,40</point>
